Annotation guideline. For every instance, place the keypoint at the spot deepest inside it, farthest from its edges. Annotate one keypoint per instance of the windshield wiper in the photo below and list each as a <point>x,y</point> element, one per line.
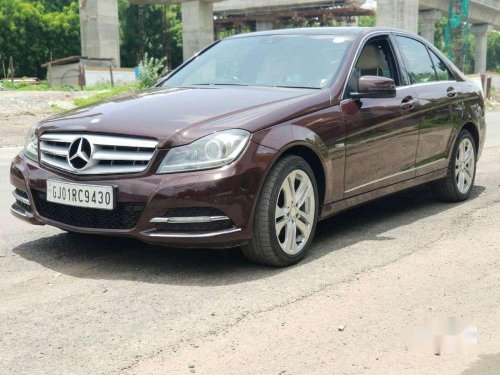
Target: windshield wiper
<point>298,87</point>
<point>219,84</point>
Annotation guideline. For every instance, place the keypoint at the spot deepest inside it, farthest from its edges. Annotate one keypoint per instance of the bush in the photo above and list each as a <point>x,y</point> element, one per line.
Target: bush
<point>107,94</point>
<point>150,70</point>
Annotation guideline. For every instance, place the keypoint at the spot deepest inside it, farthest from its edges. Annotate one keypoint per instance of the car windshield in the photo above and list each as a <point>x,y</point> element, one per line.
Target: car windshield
<point>301,61</point>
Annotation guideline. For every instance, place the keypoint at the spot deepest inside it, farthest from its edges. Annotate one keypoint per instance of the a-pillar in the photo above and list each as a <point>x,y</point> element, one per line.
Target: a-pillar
<point>197,26</point>
<point>100,29</point>
<point>427,20</point>
<point>401,14</point>
<point>480,32</point>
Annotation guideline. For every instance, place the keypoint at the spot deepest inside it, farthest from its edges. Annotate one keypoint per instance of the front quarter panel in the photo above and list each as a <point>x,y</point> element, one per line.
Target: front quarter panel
<point>321,132</point>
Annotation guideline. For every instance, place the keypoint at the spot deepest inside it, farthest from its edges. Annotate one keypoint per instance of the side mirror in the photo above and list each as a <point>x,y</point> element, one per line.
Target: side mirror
<point>375,87</point>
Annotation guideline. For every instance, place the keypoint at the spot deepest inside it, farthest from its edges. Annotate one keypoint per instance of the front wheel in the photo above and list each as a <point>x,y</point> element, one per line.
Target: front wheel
<point>286,214</point>
<point>457,185</point>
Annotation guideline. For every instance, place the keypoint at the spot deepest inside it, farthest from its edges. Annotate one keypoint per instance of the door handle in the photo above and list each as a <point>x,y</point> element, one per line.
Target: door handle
<point>451,92</point>
<point>408,103</point>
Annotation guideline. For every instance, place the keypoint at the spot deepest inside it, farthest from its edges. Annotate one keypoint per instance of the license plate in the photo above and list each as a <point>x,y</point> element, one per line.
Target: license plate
<point>80,195</point>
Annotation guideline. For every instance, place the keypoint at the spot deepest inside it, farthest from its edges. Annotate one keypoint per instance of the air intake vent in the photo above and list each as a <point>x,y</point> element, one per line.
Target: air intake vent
<point>125,216</point>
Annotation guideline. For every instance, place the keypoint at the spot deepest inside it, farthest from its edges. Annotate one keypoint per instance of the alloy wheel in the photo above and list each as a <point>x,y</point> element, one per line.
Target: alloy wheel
<point>295,210</point>
<point>465,164</point>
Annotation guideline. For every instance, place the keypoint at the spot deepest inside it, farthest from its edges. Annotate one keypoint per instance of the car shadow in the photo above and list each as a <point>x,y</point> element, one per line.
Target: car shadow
<point>99,257</point>
<point>486,364</point>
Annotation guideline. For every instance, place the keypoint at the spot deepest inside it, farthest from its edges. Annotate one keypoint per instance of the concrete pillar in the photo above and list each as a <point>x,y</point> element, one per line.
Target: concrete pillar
<point>197,26</point>
<point>263,25</point>
<point>100,29</point>
<point>401,14</point>
<point>481,31</point>
<point>427,20</point>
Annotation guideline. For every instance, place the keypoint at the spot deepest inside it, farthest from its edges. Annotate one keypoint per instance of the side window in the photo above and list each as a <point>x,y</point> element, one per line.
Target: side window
<point>442,71</point>
<point>418,63</point>
<point>376,59</point>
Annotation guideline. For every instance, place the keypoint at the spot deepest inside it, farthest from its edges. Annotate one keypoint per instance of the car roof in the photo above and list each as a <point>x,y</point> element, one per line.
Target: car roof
<point>321,31</point>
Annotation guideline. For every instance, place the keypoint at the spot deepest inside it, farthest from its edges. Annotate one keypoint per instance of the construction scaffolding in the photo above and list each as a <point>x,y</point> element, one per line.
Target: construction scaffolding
<point>323,13</point>
<point>457,32</point>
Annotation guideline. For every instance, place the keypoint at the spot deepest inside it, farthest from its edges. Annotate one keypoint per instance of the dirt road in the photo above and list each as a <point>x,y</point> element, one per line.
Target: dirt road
<point>21,109</point>
<point>80,305</point>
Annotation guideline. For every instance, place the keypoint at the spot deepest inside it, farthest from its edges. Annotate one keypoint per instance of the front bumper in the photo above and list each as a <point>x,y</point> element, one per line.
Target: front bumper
<point>231,190</point>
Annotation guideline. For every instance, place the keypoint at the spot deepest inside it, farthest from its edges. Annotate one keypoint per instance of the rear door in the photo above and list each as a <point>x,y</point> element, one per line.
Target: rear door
<point>381,134</point>
<point>441,104</point>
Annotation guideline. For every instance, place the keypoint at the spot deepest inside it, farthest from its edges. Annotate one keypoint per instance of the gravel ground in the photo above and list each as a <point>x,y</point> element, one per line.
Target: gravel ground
<point>19,110</point>
<point>88,305</point>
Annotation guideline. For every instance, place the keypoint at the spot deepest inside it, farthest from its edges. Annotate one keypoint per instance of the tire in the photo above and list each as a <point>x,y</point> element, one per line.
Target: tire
<point>452,188</point>
<point>276,209</point>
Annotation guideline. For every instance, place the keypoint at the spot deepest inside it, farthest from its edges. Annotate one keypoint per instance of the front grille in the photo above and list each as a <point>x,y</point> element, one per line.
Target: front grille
<point>194,212</point>
<point>107,154</point>
<point>124,216</point>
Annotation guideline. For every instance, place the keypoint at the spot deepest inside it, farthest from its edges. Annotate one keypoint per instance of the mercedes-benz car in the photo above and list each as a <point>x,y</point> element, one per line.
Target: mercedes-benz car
<point>255,139</point>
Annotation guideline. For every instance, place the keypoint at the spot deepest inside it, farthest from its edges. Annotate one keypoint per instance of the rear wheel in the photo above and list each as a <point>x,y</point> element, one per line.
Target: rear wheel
<point>286,214</point>
<point>457,185</point>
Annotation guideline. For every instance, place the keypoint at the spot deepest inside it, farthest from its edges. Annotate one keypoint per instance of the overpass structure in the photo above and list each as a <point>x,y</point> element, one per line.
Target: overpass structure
<point>100,37</point>
<point>484,15</point>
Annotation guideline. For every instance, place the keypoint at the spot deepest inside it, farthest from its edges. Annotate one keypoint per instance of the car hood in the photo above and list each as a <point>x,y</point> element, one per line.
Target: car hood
<point>177,116</point>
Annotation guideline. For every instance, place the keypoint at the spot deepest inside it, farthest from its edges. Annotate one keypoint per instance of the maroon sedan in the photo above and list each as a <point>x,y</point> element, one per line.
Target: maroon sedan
<point>255,139</point>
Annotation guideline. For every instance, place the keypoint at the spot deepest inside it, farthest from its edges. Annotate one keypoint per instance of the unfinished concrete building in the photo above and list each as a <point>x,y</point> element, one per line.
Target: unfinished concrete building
<point>100,26</point>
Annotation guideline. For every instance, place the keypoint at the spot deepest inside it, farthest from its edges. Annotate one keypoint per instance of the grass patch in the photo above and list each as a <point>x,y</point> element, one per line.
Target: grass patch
<point>107,93</point>
<point>489,104</point>
<point>43,86</point>
<point>57,108</point>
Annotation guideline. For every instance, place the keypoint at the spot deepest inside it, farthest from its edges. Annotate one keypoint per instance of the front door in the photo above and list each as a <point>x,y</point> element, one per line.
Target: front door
<point>381,134</point>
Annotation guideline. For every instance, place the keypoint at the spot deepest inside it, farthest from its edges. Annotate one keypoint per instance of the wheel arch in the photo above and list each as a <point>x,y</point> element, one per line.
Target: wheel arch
<point>290,139</point>
<point>311,157</point>
<point>472,128</point>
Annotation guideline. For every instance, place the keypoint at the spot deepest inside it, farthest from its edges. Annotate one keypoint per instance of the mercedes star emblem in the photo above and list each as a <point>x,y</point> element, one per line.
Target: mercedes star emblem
<point>80,153</point>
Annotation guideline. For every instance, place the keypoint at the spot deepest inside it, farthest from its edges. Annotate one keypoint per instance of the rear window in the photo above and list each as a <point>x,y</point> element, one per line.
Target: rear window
<point>418,63</point>
<point>443,73</point>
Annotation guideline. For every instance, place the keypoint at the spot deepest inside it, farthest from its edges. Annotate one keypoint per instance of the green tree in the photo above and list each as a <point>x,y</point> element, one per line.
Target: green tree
<point>31,33</point>
<point>493,59</point>
<point>466,59</point>
<point>152,29</point>
<point>366,21</point>
<point>56,5</point>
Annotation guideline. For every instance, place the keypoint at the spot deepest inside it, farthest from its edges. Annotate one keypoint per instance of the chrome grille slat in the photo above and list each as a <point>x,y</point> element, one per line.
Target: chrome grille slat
<point>110,155</point>
<point>55,162</point>
<point>54,150</point>
<point>21,199</point>
<point>122,155</point>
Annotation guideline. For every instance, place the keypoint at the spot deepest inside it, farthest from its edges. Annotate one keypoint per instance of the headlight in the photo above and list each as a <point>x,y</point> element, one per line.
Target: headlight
<point>30,149</point>
<point>213,151</point>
